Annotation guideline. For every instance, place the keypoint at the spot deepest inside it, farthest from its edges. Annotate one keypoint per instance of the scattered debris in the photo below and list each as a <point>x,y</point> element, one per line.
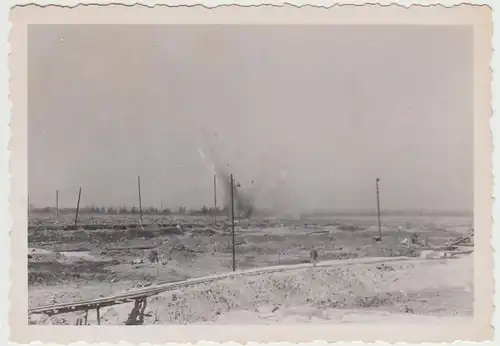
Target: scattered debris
<point>319,232</point>
<point>432,254</point>
<point>137,261</point>
<point>466,239</point>
<point>414,238</point>
<point>154,257</point>
<point>144,284</point>
<point>385,267</point>
<point>349,228</point>
<point>207,232</point>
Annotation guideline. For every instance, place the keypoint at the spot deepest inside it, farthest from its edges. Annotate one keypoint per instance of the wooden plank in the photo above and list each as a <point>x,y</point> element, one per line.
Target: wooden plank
<point>458,241</point>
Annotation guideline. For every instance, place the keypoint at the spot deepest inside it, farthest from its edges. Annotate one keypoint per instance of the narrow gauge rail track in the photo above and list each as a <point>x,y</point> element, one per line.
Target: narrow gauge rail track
<point>143,293</point>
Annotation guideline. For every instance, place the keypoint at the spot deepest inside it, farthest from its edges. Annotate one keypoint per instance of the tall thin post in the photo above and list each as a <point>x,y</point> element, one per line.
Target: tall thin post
<point>161,204</point>
<point>232,222</point>
<point>98,315</point>
<point>215,198</point>
<point>78,205</point>
<point>378,210</point>
<point>140,200</point>
<point>57,203</point>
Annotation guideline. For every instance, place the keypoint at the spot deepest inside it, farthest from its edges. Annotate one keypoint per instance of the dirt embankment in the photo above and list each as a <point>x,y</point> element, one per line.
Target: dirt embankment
<point>313,295</point>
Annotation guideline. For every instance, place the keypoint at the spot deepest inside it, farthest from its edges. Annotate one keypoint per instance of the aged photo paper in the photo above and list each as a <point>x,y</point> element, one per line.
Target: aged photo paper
<point>251,174</point>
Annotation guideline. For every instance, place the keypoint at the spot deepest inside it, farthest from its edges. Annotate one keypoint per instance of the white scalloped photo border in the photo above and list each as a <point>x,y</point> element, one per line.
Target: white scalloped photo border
<point>5,213</point>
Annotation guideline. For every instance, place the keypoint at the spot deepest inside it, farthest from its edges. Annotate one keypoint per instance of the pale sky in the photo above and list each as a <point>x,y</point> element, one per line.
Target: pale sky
<point>314,114</point>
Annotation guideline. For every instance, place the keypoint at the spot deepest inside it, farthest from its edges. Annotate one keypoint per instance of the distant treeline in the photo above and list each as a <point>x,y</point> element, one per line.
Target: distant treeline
<point>134,210</point>
<point>224,211</point>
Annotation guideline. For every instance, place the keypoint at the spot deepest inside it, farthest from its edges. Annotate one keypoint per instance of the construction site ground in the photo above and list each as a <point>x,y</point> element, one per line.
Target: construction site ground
<point>73,265</point>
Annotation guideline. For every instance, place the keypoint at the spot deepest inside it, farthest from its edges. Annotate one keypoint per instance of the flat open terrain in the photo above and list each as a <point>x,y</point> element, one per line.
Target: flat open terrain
<point>91,262</point>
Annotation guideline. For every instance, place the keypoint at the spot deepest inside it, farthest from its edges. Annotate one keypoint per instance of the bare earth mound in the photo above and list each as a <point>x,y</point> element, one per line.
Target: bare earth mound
<point>416,290</point>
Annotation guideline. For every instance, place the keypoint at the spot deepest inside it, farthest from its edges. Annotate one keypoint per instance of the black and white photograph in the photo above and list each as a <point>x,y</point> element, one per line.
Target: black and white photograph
<point>250,174</point>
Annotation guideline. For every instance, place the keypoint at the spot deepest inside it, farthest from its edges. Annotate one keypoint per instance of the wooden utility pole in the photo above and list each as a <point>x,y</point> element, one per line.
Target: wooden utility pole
<point>378,210</point>
<point>140,200</point>
<point>215,198</point>
<point>232,222</point>
<point>78,206</point>
<point>57,203</point>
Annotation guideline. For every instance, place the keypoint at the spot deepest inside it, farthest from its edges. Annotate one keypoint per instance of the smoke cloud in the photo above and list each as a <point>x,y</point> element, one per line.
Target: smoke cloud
<point>244,201</point>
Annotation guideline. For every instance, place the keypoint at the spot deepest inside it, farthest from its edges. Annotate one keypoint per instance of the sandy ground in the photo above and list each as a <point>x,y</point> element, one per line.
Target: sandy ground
<point>352,293</point>
<point>69,266</point>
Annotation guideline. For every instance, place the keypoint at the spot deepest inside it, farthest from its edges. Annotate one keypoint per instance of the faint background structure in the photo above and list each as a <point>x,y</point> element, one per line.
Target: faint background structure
<point>311,113</point>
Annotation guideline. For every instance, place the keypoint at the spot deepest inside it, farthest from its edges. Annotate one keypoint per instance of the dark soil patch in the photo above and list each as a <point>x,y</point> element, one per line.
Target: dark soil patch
<point>54,272</point>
